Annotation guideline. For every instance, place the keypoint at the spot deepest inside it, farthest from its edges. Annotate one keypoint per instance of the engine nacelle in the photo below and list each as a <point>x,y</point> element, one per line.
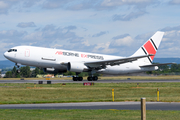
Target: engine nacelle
<point>76,67</point>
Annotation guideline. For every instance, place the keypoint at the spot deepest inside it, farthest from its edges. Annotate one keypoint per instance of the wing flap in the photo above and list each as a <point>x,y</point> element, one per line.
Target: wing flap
<point>112,62</point>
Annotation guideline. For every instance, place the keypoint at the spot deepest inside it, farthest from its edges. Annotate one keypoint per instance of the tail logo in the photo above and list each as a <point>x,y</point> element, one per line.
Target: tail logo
<point>150,48</point>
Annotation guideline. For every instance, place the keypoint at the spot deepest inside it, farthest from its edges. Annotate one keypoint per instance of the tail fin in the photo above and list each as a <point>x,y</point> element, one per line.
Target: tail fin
<point>150,47</point>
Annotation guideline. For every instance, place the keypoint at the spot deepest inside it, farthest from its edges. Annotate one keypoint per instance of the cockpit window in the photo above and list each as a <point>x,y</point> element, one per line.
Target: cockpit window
<point>12,50</point>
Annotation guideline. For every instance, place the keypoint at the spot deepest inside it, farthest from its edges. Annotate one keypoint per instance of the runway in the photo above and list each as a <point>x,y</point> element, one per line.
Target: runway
<point>97,105</point>
<point>99,81</point>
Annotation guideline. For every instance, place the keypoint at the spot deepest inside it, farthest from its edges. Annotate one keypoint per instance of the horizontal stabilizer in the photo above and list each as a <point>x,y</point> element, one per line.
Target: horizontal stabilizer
<point>152,65</point>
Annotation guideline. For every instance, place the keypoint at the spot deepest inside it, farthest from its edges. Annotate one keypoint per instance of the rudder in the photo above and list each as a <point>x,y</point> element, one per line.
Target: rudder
<point>150,47</point>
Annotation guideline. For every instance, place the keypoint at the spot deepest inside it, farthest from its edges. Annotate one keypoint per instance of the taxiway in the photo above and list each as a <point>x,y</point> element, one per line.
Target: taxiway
<point>97,105</point>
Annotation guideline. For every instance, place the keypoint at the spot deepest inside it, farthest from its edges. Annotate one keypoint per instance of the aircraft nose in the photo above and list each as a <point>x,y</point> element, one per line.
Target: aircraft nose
<point>5,55</point>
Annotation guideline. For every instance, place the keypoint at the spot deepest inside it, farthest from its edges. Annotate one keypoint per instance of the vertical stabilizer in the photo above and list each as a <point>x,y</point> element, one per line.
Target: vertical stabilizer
<point>150,47</point>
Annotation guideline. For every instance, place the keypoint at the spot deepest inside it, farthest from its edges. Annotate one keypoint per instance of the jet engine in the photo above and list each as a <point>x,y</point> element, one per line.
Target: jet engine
<point>76,67</point>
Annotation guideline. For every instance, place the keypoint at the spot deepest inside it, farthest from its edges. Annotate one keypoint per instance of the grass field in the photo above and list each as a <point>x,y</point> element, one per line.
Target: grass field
<point>76,92</point>
<point>12,114</point>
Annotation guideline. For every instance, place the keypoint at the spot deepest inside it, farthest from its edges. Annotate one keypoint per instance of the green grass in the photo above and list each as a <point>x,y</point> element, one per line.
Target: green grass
<point>23,114</point>
<point>75,92</point>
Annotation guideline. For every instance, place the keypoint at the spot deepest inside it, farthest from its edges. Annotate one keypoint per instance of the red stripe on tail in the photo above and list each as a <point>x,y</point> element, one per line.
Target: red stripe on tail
<point>150,49</point>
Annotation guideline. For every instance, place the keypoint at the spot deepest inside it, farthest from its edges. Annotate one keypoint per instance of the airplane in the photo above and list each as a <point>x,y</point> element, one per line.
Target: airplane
<point>60,61</point>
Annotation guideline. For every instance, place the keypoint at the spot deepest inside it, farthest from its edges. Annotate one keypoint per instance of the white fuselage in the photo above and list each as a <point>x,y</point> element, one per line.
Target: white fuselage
<point>57,58</point>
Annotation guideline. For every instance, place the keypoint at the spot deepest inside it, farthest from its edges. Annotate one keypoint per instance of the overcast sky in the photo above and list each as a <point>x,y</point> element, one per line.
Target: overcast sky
<point>115,27</point>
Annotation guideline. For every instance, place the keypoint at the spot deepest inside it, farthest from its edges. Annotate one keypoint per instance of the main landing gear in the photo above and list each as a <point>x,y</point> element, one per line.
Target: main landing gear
<point>94,78</point>
<point>90,78</point>
<point>77,78</point>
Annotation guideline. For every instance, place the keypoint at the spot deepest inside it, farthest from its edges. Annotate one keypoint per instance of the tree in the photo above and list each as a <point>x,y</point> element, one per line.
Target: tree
<point>14,72</point>
<point>35,72</point>
<point>8,74</point>
<point>25,71</point>
<point>69,73</point>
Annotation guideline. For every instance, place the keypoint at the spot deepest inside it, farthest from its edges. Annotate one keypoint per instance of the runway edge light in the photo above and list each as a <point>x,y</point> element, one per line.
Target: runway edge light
<point>157,94</point>
<point>113,95</point>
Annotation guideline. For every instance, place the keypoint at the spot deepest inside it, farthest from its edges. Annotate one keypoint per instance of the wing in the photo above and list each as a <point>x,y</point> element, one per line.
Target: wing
<point>152,65</point>
<point>102,64</point>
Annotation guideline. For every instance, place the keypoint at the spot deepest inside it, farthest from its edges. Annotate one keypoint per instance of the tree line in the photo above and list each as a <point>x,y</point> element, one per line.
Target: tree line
<point>173,69</point>
<point>25,72</point>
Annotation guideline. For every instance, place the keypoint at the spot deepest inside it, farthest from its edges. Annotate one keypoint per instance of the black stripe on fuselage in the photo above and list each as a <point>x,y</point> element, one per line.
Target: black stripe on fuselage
<point>154,44</point>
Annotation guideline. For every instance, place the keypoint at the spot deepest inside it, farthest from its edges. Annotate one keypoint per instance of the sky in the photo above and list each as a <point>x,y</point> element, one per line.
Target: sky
<point>114,27</point>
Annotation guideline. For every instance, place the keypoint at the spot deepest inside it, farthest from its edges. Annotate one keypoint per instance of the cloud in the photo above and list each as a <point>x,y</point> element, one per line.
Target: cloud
<point>5,46</point>
<point>138,4</point>
<point>26,24</point>
<point>130,16</point>
<point>10,38</point>
<point>71,4</point>
<point>171,28</point>
<point>71,27</point>
<point>5,5</point>
<point>11,35</point>
<point>53,4</point>
<point>51,34</point>
<point>30,3</point>
<point>142,38</point>
<point>123,2</point>
<point>121,40</point>
<point>96,4</point>
<point>100,34</point>
<point>45,36</point>
<point>174,2</point>
<point>103,48</point>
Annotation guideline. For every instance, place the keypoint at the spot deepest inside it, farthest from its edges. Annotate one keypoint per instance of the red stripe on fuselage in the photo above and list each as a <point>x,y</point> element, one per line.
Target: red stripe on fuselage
<point>150,49</point>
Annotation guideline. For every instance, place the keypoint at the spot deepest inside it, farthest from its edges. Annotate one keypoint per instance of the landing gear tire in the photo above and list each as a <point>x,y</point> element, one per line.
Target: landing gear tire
<point>90,78</point>
<point>95,78</point>
<point>17,71</point>
<point>77,78</point>
<point>80,78</point>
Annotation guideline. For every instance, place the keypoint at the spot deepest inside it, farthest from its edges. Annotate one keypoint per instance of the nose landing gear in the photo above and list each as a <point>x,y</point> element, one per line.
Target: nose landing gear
<point>18,66</point>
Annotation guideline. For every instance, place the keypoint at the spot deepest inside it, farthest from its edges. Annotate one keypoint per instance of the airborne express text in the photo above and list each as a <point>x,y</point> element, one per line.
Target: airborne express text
<point>77,55</point>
